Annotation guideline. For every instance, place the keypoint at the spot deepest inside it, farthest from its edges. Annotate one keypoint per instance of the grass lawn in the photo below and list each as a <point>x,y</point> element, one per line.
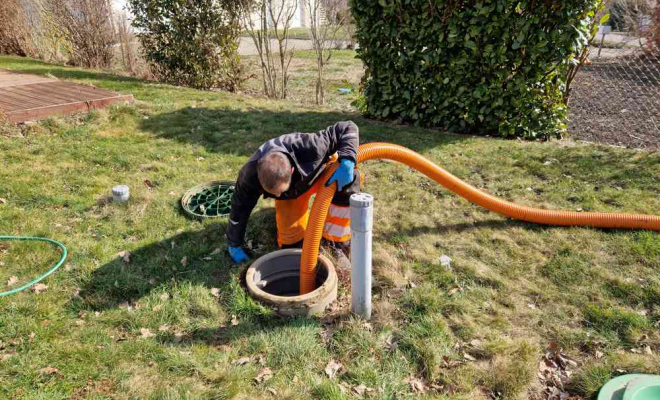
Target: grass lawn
<point>155,328</point>
<point>343,71</point>
<point>303,34</point>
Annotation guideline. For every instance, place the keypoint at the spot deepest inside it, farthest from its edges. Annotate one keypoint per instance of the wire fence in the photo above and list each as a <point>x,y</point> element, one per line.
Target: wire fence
<point>615,99</point>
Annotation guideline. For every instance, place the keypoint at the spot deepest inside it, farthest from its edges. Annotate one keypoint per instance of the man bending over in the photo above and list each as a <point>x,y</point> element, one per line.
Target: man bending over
<point>287,168</point>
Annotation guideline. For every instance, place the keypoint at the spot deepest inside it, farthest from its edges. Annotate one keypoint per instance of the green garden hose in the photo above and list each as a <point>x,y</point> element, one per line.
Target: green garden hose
<point>50,271</point>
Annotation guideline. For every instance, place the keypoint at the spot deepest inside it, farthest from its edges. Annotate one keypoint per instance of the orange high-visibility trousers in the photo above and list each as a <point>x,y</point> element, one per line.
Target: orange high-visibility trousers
<point>292,215</point>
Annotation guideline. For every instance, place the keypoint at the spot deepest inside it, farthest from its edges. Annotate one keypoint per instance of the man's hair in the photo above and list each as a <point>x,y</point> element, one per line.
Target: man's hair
<point>274,169</point>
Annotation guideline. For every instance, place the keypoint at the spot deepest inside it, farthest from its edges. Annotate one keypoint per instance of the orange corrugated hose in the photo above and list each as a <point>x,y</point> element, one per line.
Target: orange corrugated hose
<point>417,162</point>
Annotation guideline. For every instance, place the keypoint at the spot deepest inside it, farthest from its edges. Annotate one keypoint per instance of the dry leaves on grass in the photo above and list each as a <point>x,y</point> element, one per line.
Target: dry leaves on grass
<point>12,280</point>
<point>326,334</point>
<point>554,372</point>
<point>449,363</point>
<point>39,287</point>
<point>264,375</point>
<point>125,256</point>
<point>146,333</point>
<point>332,368</point>
<point>3,201</point>
<point>416,385</point>
<point>391,343</point>
<point>241,361</point>
<point>223,348</point>
<point>48,371</point>
<point>362,390</point>
<point>164,296</point>
<point>149,184</point>
<point>215,292</point>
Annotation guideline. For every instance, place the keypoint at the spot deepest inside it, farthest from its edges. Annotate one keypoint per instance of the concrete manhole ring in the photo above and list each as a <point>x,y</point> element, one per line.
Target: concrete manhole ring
<point>274,280</point>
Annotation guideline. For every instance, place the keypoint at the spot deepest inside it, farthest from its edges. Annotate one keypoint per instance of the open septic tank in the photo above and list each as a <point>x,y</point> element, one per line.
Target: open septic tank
<point>275,280</point>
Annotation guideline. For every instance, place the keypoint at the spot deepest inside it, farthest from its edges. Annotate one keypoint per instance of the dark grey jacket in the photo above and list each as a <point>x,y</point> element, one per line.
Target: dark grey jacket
<point>308,153</point>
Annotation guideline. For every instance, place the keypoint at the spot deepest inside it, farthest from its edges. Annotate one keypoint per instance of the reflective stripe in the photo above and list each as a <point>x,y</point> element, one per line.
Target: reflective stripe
<point>339,211</point>
<point>338,221</point>
<point>337,238</point>
<point>336,230</point>
<point>337,226</point>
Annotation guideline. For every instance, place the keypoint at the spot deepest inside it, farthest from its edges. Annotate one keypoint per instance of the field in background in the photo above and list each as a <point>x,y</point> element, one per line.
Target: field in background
<point>344,71</point>
<point>303,33</point>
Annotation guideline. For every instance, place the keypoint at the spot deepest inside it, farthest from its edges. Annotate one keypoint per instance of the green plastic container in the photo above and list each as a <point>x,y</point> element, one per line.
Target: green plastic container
<point>631,387</point>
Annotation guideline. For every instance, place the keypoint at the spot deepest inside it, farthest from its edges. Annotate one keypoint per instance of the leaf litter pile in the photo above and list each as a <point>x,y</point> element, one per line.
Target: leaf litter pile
<point>555,370</point>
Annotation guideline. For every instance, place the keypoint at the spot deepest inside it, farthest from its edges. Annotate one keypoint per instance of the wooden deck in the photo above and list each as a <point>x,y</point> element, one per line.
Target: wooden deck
<point>26,97</point>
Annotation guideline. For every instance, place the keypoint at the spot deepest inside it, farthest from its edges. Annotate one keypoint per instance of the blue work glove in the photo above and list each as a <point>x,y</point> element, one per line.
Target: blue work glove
<point>343,175</point>
<point>237,254</point>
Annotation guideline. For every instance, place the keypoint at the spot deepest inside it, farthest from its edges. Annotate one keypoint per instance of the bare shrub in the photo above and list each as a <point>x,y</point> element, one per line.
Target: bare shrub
<point>86,25</point>
<point>261,19</point>
<point>14,35</point>
<point>326,19</point>
<point>129,48</point>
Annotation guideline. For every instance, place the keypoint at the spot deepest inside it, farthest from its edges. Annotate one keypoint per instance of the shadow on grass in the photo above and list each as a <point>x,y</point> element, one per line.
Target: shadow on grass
<point>64,72</point>
<point>240,132</point>
<point>466,226</point>
<point>596,165</point>
<point>30,66</point>
<point>160,264</point>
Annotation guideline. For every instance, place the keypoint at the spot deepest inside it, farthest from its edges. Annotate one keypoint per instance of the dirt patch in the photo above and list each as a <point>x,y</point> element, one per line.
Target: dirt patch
<point>92,388</point>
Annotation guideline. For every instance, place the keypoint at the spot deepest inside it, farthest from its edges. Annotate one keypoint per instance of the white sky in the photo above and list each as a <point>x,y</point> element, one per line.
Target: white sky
<point>119,4</point>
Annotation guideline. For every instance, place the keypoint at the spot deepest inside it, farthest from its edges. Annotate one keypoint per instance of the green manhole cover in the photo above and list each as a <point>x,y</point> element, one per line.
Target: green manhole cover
<point>209,200</point>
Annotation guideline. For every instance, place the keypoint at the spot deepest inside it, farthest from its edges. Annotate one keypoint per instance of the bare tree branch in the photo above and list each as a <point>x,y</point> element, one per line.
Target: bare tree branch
<point>275,18</point>
<point>326,19</point>
<point>86,24</point>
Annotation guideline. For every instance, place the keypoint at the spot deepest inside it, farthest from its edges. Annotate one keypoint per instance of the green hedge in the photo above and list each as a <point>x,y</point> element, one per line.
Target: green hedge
<point>493,67</point>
